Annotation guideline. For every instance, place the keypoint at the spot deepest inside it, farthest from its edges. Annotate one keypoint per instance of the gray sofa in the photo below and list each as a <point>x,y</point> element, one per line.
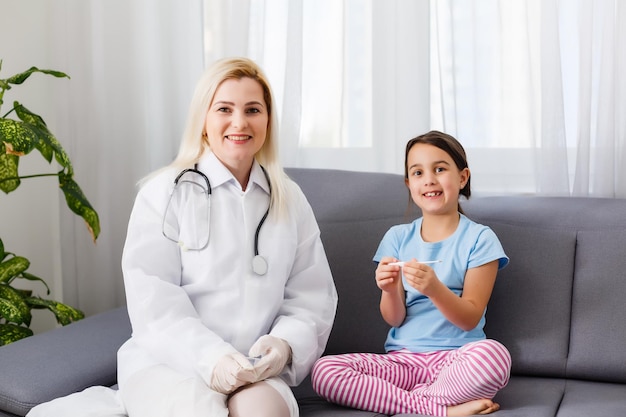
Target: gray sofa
<point>558,306</point>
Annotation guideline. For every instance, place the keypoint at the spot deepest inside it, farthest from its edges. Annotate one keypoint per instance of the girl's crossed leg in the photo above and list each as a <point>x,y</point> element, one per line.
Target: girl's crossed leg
<point>423,383</point>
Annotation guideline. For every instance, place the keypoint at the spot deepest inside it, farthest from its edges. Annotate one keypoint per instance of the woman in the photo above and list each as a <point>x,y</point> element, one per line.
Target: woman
<point>196,314</point>
<point>229,291</point>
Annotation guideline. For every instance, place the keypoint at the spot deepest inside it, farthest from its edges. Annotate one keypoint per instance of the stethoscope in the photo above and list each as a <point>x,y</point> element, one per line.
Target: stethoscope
<point>259,263</point>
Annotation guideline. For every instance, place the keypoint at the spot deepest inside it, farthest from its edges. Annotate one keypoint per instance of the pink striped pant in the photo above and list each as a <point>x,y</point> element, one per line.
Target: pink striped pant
<point>413,383</point>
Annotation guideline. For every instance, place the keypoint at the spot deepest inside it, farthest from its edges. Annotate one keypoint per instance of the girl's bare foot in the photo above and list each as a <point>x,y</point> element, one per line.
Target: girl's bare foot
<point>483,406</point>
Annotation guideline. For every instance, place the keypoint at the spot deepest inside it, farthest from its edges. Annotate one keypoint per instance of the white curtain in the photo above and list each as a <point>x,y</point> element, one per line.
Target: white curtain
<point>533,89</point>
<point>350,76</point>
<point>530,87</point>
<point>134,65</point>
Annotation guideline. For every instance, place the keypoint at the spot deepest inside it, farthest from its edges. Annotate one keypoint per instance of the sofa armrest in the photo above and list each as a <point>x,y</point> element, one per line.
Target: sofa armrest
<point>62,361</point>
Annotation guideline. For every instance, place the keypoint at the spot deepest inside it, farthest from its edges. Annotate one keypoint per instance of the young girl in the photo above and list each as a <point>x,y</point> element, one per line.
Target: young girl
<point>436,275</point>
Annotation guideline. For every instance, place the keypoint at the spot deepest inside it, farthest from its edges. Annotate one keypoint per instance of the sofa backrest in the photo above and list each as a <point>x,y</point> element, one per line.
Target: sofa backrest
<point>558,306</point>
<point>353,211</point>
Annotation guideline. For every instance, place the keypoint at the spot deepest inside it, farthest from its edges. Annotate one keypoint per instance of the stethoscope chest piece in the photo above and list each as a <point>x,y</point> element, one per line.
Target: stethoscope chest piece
<point>259,265</point>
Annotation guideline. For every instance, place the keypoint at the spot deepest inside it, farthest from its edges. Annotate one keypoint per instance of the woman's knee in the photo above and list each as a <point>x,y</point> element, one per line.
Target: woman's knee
<point>160,391</point>
<point>259,400</point>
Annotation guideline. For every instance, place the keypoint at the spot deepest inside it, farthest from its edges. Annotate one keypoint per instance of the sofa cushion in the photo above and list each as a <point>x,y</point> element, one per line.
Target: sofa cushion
<point>531,396</point>
<point>42,367</point>
<point>599,316</point>
<point>525,313</point>
<point>317,407</point>
<point>358,324</point>
<point>528,396</point>
<point>354,210</point>
<point>592,398</point>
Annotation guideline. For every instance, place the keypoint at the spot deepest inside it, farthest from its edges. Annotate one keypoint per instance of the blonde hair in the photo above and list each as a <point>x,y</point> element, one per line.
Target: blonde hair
<point>194,145</point>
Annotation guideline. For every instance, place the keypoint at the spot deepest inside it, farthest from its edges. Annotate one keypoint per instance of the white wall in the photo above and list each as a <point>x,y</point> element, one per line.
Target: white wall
<point>29,216</point>
<point>133,66</point>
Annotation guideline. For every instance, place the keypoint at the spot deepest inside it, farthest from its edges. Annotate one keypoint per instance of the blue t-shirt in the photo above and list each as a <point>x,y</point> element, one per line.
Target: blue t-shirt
<point>425,329</point>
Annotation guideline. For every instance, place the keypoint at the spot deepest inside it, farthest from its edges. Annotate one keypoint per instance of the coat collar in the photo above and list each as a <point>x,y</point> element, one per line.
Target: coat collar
<point>218,174</point>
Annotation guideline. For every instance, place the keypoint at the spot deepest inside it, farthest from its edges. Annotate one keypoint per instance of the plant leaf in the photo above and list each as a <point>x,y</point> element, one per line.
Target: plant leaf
<point>23,76</point>
<point>13,307</point>
<point>3,87</point>
<point>78,203</point>
<point>27,116</point>
<point>46,142</point>
<point>24,293</point>
<point>10,333</point>
<point>32,277</point>
<point>9,177</point>
<point>12,268</point>
<point>64,313</point>
<point>4,254</point>
<point>18,137</point>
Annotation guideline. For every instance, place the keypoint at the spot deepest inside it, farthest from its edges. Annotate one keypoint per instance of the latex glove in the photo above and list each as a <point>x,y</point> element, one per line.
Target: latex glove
<point>231,372</point>
<point>274,354</point>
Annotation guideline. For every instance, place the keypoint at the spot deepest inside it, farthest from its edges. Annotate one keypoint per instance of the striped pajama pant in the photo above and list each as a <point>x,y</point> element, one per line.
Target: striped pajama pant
<point>413,383</point>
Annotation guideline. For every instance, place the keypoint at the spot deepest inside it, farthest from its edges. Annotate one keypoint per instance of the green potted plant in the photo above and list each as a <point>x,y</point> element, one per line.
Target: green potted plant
<point>20,135</point>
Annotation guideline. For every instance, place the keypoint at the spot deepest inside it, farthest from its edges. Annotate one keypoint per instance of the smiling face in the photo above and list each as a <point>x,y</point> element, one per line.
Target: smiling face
<point>434,179</point>
<point>236,124</point>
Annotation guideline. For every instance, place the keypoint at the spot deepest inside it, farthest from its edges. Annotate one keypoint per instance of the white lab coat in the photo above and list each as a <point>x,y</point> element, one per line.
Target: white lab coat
<point>189,308</point>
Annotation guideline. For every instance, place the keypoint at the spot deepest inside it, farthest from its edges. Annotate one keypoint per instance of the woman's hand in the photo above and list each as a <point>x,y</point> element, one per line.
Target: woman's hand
<point>232,371</point>
<point>274,353</point>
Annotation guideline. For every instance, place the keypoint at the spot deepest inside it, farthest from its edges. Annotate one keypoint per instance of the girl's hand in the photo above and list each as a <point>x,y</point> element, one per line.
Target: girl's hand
<point>389,280</point>
<point>388,276</point>
<point>463,311</point>
<point>421,277</point>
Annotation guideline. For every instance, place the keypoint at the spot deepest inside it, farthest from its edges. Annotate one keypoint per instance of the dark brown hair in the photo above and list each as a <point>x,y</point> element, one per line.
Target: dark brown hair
<point>449,145</point>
